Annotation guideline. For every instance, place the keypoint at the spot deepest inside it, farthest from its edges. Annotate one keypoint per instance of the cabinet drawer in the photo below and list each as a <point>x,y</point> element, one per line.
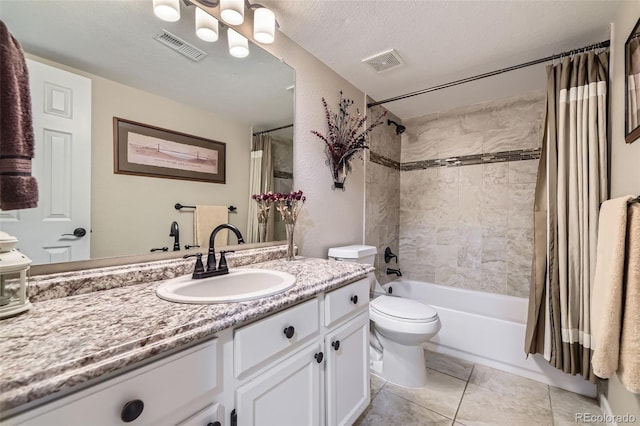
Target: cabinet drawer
<point>163,387</point>
<point>266,338</point>
<point>208,416</point>
<point>346,300</point>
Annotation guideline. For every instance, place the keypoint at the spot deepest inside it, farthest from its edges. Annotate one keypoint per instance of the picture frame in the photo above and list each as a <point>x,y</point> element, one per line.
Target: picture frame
<point>632,85</point>
<point>145,150</point>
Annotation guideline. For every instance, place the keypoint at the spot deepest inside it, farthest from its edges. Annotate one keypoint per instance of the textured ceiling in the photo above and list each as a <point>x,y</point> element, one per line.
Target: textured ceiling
<point>441,41</point>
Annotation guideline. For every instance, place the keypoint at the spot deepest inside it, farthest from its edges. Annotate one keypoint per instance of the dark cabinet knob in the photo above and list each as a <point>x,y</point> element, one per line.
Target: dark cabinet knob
<point>214,424</point>
<point>336,345</point>
<point>319,357</point>
<point>289,331</point>
<point>131,410</point>
<point>354,299</point>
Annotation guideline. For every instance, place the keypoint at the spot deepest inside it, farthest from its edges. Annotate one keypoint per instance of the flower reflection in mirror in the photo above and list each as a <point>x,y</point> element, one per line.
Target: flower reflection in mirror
<point>289,206</point>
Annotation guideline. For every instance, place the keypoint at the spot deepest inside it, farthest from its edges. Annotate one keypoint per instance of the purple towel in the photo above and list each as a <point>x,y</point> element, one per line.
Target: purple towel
<point>18,189</point>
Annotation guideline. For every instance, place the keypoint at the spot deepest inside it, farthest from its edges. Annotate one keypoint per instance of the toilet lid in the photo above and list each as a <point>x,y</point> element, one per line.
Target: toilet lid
<point>403,308</point>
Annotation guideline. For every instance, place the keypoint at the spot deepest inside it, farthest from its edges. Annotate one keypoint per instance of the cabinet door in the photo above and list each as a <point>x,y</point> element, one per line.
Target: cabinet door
<point>286,395</point>
<point>347,371</point>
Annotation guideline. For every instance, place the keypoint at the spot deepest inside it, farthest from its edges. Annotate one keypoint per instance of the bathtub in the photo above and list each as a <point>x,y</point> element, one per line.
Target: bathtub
<point>488,329</point>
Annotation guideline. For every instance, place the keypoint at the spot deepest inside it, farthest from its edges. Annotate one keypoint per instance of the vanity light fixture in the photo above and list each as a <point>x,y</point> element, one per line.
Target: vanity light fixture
<point>238,44</point>
<point>167,10</point>
<point>264,25</point>
<point>206,26</point>
<point>232,11</point>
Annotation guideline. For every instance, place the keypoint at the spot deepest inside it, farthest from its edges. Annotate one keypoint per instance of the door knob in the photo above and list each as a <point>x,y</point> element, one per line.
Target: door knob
<point>78,233</point>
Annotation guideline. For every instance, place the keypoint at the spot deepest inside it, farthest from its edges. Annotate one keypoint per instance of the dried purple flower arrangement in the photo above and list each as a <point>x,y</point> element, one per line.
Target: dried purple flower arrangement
<point>344,138</point>
<point>288,205</point>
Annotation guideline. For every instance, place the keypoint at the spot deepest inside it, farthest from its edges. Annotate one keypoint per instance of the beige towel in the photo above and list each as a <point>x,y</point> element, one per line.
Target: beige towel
<point>606,299</point>
<point>629,370</point>
<point>205,219</point>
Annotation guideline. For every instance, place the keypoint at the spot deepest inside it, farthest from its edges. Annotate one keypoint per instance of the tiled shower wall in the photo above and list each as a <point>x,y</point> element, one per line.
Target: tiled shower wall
<point>382,205</point>
<point>469,226</point>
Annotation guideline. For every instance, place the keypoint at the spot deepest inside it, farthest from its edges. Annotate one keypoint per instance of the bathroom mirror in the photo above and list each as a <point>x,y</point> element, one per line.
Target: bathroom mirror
<point>632,85</point>
<point>135,77</point>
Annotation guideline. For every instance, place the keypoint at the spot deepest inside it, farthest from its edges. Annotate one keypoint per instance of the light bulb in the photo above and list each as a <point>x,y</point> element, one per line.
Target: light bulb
<point>167,10</point>
<point>232,11</point>
<point>264,25</point>
<point>206,26</point>
<point>238,44</point>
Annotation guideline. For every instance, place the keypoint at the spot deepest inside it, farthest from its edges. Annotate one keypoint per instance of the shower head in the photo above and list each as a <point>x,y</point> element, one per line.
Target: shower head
<point>399,127</point>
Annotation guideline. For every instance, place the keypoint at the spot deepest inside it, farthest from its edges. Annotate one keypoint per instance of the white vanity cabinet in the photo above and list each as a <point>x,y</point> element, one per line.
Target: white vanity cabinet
<point>305,365</point>
<point>168,391</point>
<point>347,372</point>
<point>313,376</point>
<point>286,395</point>
<point>347,353</point>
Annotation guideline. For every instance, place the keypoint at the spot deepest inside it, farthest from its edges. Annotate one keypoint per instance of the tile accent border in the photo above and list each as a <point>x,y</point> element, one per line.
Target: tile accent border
<point>467,160</point>
<point>384,161</point>
<point>462,160</point>
<point>282,175</point>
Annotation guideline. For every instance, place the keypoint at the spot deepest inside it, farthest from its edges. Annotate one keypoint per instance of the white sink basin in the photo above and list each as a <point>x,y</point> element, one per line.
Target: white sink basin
<point>238,285</point>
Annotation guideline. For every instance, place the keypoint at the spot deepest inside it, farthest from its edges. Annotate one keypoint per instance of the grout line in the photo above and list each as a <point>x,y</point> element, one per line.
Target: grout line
<point>420,405</point>
<point>553,422</point>
<point>463,392</point>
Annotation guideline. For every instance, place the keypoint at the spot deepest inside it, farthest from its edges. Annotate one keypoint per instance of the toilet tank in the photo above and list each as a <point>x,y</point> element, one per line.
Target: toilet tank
<point>354,253</point>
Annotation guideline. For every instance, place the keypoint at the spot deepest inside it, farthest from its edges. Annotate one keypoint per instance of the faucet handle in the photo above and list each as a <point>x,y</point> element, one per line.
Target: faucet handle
<point>223,259</point>
<point>199,268</point>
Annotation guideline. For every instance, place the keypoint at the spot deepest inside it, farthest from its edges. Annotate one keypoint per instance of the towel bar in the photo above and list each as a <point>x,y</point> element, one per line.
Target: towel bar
<point>179,206</point>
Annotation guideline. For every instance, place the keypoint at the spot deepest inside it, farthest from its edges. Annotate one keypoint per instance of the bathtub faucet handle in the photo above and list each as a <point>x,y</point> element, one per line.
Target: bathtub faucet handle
<point>388,255</point>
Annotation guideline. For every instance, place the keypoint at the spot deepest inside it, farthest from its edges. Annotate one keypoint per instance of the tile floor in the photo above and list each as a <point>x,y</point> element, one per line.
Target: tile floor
<point>462,393</point>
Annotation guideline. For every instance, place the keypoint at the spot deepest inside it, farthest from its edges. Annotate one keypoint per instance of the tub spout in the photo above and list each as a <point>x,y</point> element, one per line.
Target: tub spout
<point>391,271</point>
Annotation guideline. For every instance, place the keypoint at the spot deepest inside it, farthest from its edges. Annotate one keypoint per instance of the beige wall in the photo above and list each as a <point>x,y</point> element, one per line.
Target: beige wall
<point>625,167</point>
<point>132,214</point>
<point>329,218</point>
<point>145,203</point>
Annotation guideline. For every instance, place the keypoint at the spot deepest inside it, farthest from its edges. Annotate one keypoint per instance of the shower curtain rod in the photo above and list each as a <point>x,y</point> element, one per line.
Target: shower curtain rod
<point>600,45</point>
<point>272,130</point>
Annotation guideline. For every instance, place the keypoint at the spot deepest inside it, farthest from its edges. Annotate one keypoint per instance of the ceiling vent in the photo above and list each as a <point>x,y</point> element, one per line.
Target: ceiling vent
<point>180,46</point>
<point>384,61</point>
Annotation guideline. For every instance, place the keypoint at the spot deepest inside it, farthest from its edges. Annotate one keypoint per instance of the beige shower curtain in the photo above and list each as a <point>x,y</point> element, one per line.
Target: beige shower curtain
<point>260,181</point>
<point>571,184</point>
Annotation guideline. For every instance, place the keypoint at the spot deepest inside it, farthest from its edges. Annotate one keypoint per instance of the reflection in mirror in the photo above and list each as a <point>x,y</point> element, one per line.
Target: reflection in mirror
<point>632,84</point>
<point>271,170</point>
<point>95,60</point>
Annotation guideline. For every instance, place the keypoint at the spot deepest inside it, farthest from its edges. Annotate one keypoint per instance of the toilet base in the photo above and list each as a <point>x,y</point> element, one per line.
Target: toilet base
<point>401,365</point>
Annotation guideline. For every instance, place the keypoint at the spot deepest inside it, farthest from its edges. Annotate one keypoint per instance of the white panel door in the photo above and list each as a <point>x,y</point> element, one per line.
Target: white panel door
<point>61,104</point>
<point>347,373</point>
<point>287,395</point>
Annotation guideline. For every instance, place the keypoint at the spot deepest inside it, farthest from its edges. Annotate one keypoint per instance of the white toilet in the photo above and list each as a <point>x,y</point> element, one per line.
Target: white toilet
<point>399,327</point>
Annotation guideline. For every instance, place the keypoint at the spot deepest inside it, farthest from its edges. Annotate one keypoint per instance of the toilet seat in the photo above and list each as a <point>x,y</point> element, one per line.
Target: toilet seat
<point>406,310</point>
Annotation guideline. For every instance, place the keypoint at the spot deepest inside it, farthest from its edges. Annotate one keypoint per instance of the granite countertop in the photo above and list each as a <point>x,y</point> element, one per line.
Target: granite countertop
<point>63,342</point>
